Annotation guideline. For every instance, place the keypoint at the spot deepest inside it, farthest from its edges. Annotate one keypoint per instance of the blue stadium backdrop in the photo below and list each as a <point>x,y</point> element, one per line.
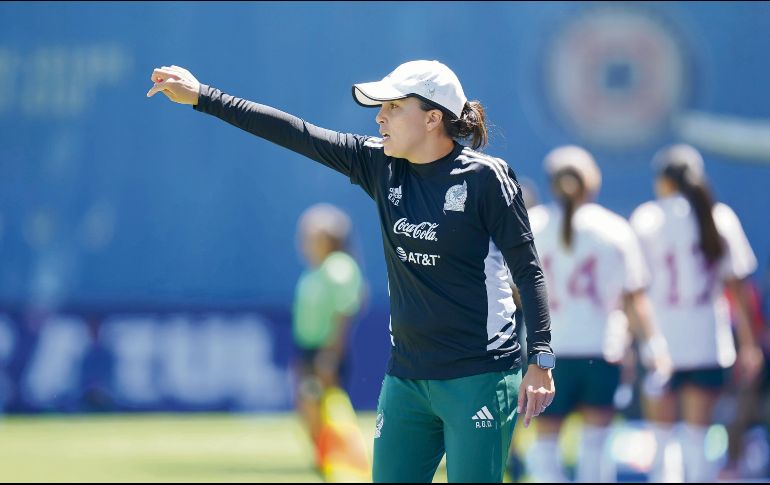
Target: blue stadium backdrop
<point>147,252</point>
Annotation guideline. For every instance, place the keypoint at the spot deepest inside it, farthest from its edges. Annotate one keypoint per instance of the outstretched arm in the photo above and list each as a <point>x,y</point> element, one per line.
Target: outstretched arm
<point>339,151</point>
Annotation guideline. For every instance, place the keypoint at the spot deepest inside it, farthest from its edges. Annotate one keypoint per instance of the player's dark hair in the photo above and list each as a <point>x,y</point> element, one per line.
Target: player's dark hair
<point>569,188</point>
<point>697,192</point>
<point>471,125</point>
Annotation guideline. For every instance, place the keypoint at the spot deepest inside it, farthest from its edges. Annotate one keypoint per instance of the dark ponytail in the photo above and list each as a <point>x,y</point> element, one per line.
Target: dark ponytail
<point>569,188</point>
<point>698,194</point>
<point>472,124</point>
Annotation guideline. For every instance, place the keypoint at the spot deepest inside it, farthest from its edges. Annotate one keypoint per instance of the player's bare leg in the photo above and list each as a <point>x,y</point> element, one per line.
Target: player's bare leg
<point>661,412</point>
<point>591,467</point>
<point>697,412</point>
<point>544,461</point>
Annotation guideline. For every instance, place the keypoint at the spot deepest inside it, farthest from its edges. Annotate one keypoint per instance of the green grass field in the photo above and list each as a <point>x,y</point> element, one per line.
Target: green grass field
<point>160,448</point>
<point>196,447</point>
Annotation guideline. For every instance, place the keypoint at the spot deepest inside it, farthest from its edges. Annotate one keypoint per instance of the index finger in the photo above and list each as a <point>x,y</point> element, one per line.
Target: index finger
<point>530,406</point>
<point>159,87</point>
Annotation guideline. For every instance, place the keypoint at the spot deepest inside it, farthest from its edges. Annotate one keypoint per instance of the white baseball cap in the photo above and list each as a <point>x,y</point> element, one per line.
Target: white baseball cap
<point>430,80</point>
<point>324,218</point>
<point>578,159</point>
<point>679,156</point>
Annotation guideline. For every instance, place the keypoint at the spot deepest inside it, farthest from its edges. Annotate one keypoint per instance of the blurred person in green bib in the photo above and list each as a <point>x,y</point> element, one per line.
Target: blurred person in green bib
<point>327,297</point>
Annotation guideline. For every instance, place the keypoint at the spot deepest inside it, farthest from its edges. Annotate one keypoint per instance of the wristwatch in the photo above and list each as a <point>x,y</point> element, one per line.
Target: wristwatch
<point>544,360</point>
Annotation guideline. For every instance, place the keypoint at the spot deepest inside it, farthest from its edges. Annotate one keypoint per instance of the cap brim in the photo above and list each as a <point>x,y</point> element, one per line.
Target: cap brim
<point>374,93</point>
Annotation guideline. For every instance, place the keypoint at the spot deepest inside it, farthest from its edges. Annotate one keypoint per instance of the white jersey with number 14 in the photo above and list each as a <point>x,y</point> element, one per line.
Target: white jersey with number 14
<point>586,283</point>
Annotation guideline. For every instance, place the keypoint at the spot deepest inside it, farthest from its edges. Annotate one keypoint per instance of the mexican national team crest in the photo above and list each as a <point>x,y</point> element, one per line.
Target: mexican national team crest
<point>455,198</point>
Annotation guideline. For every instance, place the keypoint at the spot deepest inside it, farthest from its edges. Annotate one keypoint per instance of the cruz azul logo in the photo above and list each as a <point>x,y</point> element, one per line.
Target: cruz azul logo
<point>424,230</point>
<point>417,258</point>
<point>395,194</point>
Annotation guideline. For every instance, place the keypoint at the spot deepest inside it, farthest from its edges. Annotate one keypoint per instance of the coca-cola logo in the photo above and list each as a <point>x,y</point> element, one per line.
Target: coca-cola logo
<point>424,230</point>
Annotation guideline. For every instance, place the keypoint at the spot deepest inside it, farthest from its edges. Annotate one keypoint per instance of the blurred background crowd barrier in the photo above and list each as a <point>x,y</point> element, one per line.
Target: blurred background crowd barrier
<point>147,252</point>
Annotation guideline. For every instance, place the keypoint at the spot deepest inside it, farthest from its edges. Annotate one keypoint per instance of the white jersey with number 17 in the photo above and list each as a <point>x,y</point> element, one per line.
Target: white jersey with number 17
<point>586,283</point>
<point>687,293</point>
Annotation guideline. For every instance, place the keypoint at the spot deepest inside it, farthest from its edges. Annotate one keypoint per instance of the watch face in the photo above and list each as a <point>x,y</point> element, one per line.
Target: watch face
<point>546,361</point>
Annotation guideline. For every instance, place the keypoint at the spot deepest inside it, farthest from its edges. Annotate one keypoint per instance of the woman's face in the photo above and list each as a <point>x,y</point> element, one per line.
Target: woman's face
<point>403,126</point>
<point>316,246</point>
<point>664,187</point>
<point>568,185</point>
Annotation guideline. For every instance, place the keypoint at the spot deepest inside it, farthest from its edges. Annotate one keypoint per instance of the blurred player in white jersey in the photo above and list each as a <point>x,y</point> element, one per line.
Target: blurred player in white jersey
<point>695,249</point>
<point>594,270</point>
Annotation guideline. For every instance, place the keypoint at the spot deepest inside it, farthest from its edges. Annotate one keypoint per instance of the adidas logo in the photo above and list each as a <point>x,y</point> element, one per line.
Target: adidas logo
<point>484,418</point>
<point>395,194</point>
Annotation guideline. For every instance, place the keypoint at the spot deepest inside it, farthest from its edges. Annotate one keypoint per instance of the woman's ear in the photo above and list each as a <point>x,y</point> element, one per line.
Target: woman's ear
<point>435,119</point>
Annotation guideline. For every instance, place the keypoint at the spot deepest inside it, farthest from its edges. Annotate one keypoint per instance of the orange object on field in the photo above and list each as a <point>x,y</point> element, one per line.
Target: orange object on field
<point>341,447</point>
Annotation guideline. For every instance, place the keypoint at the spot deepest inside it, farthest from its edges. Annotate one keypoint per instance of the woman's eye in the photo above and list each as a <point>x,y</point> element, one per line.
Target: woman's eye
<point>393,106</point>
